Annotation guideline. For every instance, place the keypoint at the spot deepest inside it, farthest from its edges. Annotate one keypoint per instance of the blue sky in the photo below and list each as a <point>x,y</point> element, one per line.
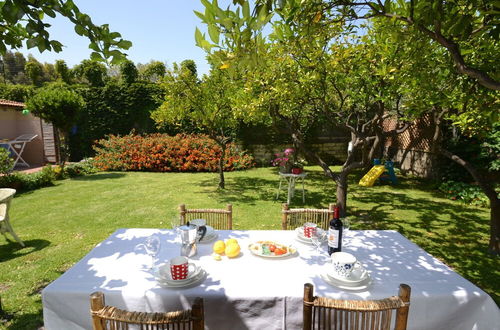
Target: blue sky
<point>161,30</point>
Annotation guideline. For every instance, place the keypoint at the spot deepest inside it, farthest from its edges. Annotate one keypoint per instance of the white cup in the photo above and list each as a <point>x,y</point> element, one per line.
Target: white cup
<point>344,263</point>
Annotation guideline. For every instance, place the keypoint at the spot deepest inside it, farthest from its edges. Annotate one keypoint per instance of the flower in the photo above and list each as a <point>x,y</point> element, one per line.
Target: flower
<point>283,159</point>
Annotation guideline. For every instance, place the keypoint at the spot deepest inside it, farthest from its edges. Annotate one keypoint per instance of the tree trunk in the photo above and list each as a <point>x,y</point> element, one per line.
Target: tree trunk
<point>489,191</point>
<point>222,183</point>
<point>342,186</point>
<point>494,245</point>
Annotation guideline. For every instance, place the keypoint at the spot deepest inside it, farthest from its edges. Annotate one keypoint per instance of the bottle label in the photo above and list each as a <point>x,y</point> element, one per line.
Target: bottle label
<point>333,238</point>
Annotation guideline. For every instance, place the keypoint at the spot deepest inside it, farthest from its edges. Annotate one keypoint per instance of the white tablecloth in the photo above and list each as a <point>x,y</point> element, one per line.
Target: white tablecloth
<point>256,293</point>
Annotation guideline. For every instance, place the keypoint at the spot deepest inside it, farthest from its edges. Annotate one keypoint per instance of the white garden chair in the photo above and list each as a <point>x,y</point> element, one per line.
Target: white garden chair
<point>6,195</point>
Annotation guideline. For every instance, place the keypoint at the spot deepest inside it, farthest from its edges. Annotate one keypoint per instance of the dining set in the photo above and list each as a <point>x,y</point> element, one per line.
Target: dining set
<point>279,279</point>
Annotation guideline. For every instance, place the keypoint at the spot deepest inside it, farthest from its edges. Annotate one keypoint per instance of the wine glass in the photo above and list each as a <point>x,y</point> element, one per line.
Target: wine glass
<point>316,240</point>
<point>152,246</point>
<point>346,224</point>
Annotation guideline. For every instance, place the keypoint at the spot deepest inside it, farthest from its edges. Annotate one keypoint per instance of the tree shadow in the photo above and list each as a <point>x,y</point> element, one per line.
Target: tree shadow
<point>250,190</point>
<point>99,176</point>
<point>450,231</point>
<point>25,321</point>
<point>13,249</point>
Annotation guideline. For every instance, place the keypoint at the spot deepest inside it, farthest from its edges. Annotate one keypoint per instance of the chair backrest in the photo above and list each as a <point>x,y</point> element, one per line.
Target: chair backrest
<point>221,219</point>
<point>109,317</point>
<point>336,314</point>
<point>293,218</point>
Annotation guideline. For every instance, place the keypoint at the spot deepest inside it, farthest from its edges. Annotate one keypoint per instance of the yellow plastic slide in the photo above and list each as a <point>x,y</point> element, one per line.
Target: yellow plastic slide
<point>369,179</point>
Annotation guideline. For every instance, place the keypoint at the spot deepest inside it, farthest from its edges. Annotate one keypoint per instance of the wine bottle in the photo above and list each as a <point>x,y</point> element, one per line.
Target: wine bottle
<point>335,233</point>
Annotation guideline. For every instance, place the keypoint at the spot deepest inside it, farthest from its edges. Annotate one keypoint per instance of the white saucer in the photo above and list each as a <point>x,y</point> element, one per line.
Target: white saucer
<point>356,277</point>
<point>166,277</point>
<point>190,282</point>
<point>363,285</point>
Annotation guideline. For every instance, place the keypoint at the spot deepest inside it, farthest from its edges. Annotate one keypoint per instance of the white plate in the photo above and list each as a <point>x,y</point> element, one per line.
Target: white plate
<point>355,278</point>
<point>166,277</point>
<point>342,285</point>
<point>299,231</point>
<point>254,248</point>
<point>209,238</point>
<point>194,280</point>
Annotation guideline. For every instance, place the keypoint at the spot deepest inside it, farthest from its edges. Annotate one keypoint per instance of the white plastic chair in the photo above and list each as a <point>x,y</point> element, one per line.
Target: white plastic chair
<point>6,195</point>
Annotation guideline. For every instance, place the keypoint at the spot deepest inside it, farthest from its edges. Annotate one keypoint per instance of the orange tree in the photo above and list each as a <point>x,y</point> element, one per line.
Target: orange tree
<point>202,103</point>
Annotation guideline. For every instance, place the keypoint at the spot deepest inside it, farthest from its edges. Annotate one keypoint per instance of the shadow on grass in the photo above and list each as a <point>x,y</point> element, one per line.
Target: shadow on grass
<point>13,249</point>
<point>25,321</point>
<point>450,231</point>
<point>250,190</point>
<point>99,176</point>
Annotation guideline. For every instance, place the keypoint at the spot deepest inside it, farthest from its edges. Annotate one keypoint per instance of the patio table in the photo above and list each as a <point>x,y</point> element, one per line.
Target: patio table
<point>251,292</point>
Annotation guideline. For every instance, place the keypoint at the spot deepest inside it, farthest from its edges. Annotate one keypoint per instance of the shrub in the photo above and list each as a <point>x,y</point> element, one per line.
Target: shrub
<point>84,167</point>
<point>467,193</point>
<point>164,153</point>
<point>31,181</point>
<point>6,162</point>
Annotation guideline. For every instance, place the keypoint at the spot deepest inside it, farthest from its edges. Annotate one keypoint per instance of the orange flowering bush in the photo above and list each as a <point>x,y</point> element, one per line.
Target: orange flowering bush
<point>165,153</point>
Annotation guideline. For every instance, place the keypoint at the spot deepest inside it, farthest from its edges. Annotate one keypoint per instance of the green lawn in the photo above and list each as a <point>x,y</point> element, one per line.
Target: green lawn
<point>60,224</point>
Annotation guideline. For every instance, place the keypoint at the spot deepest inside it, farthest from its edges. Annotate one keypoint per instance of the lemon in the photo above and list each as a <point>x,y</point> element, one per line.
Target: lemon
<point>232,241</point>
<point>232,250</point>
<point>216,256</point>
<point>219,247</point>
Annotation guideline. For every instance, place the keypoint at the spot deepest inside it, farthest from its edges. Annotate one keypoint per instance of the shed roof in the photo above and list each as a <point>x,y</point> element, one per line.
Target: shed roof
<point>12,103</point>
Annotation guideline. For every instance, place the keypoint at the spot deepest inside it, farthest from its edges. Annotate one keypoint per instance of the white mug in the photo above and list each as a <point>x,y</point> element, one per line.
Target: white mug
<point>344,263</point>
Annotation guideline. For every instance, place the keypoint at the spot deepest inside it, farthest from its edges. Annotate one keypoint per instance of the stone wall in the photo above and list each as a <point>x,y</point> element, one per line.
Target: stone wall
<point>331,152</point>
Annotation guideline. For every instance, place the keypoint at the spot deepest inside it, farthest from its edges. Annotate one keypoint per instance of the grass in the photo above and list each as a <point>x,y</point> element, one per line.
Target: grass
<point>61,224</point>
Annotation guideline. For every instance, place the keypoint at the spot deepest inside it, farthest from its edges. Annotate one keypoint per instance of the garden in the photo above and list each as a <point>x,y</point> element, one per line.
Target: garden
<point>390,113</point>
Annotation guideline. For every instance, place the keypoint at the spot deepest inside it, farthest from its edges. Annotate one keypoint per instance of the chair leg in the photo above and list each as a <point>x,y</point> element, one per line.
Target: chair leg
<point>11,231</point>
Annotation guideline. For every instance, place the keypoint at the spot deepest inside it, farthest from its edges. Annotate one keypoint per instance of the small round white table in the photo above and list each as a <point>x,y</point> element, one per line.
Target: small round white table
<point>291,179</point>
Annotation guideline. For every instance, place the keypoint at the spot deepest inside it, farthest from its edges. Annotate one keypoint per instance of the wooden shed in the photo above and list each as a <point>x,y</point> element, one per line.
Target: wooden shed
<point>13,123</point>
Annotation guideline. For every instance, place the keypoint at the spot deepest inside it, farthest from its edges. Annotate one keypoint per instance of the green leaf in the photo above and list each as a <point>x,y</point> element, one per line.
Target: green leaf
<point>213,32</point>
<point>80,30</point>
<point>124,44</point>
<point>200,15</point>
<point>31,43</point>
<point>96,56</point>
<point>198,37</point>
<point>246,10</point>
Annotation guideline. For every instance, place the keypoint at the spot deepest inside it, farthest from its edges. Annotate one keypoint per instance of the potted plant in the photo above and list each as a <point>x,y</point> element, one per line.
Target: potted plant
<point>284,160</point>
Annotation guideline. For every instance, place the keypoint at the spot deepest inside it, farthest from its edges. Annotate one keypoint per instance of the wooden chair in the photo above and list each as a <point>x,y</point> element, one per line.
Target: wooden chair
<point>335,314</point>
<point>217,218</point>
<point>293,218</point>
<point>109,317</point>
